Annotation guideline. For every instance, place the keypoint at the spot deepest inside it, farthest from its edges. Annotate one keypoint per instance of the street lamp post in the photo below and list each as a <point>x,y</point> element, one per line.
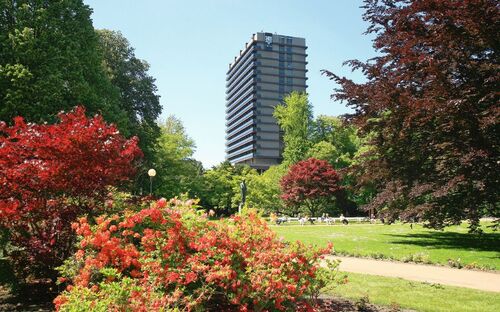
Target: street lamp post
<point>151,174</point>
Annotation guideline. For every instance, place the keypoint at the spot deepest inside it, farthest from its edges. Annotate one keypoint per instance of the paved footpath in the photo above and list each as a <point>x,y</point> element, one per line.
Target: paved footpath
<point>487,281</point>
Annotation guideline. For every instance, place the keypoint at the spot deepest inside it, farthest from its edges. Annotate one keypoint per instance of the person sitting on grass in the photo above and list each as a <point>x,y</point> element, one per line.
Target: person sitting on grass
<point>330,221</point>
<point>281,220</point>
<point>344,219</point>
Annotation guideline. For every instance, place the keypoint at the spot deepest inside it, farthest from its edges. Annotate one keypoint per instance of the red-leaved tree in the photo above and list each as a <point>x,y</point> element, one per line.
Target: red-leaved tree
<point>430,103</point>
<point>49,175</point>
<point>311,184</point>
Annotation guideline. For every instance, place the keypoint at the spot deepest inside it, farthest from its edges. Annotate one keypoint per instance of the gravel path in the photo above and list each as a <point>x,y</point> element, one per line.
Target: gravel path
<point>488,281</point>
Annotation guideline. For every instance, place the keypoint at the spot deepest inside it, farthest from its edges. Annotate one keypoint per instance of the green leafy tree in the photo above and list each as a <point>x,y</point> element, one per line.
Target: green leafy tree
<point>339,143</point>
<point>335,141</point>
<point>327,138</point>
<point>294,117</point>
<point>246,173</point>
<point>218,189</point>
<point>176,170</point>
<point>324,150</point>
<point>222,186</point>
<point>50,61</point>
<point>264,191</point>
<point>137,89</point>
<point>192,179</point>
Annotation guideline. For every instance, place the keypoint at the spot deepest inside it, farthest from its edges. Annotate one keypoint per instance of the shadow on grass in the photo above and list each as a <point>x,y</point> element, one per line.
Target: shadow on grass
<point>35,296</point>
<point>450,240</point>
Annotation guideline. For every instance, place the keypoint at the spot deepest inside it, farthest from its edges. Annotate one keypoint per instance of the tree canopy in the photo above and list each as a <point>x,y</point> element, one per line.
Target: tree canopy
<point>51,174</point>
<point>430,101</point>
<point>264,190</point>
<point>177,171</point>
<point>335,141</point>
<point>50,61</point>
<point>222,186</point>
<point>310,184</point>
<point>138,96</point>
<point>294,117</point>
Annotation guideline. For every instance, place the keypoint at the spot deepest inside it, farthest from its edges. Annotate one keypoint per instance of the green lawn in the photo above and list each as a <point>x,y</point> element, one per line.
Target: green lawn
<point>398,241</point>
<point>415,295</point>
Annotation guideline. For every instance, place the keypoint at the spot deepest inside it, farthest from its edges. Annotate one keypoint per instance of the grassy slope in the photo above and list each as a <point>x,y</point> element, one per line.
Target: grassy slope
<point>417,296</point>
<point>398,241</point>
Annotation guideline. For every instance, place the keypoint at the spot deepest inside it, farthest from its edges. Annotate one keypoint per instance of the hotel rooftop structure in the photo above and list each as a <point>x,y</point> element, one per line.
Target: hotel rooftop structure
<point>269,67</point>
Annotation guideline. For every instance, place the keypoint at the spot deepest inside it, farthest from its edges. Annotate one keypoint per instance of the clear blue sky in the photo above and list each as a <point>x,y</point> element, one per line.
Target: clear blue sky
<point>189,44</point>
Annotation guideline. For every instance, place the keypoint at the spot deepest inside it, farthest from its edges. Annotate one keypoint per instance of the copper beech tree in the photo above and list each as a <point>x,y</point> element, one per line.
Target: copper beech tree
<point>310,184</point>
<point>430,101</point>
<point>49,175</point>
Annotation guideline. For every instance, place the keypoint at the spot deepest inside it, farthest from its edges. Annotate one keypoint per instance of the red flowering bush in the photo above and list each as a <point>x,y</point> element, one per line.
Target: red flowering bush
<point>311,183</point>
<point>165,256</point>
<point>50,174</point>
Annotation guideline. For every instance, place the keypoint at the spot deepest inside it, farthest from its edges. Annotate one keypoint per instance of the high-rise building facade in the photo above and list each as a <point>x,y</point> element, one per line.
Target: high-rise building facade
<point>269,67</point>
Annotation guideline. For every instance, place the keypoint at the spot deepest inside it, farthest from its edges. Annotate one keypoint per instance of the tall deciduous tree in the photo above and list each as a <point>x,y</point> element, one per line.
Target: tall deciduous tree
<point>294,117</point>
<point>334,141</point>
<point>177,171</point>
<point>338,142</point>
<point>311,184</point>
<point>137,89</point>
<point>431,99</point>
<point>50,174</point>
<point>50,61</point>
<point>264,190</point>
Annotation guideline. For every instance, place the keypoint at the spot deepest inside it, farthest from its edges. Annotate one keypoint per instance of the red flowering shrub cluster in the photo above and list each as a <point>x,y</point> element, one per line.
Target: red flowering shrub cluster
<point>165,256</point>
<point>50,174</point>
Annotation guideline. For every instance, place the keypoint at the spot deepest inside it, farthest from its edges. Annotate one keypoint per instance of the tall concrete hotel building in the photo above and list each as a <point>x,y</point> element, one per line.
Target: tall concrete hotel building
<point>269,67</point>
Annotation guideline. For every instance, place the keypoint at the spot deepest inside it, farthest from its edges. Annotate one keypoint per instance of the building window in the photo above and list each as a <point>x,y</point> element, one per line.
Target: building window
<point>288,40</point>
<point>282,57</point>
<point>289,49</point>
<point>282,80</point>
<point>282,72</point>
<point>282,49</point>
<point>289,81</point>
<point>289,65</point>
<point>282,40</point>
<point>282,64</point>
<point>289,57</point>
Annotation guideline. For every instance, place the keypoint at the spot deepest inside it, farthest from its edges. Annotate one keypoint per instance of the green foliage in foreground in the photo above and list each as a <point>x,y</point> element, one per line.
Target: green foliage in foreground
<point>415,295</point>
<point>398,241</point>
